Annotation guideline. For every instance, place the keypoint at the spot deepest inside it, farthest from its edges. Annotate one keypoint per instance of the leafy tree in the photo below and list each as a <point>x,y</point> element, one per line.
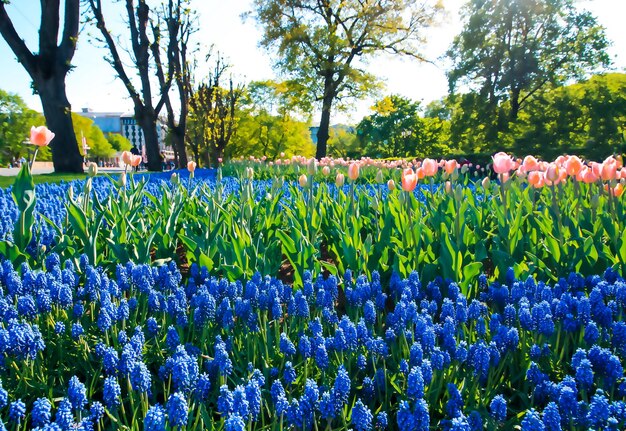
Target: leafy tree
<point>213,116</point>
<point>180,24</point>
<point>587,118</point>
<point>118,142</point>
<point>48,69</point>
<point>99,146</point>
<point>343,142</point>
<point>16,120</point>
<point>321,42</point>
<point>396,129</point>
<point>266,125</point>
<point>145,37</point>
<point>514,49</point>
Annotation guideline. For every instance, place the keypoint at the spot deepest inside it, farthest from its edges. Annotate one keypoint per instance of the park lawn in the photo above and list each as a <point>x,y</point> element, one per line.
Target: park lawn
<point>44,178</point>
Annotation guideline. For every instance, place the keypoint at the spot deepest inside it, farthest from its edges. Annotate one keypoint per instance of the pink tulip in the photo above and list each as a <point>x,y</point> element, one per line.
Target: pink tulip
<point>618,190</point>
<point>596,168</point>
<point>391,185</point>
<point>191,166</point>
<point>303,181</point>
<point>573,166</point>
<point>353,171</point>
<point>40,136</point>
<point>430,167</point>
<point>589,176</point>
<point>608,171</point>
<point>553,173</point>
<point>502,163</point>
<point>535,179</point>
<point>420,173</point>
<point>409,180</point>
<point>339,180</point>
<point>449,166</point>
<point>219,160</point>
<point>135,161</point>
<point>127,157</point>
<point>326,170</point>
<point>530,164</point>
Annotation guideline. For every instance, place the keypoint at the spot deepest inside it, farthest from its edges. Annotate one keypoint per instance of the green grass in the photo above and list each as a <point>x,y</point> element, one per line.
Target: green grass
<point>44,178</point>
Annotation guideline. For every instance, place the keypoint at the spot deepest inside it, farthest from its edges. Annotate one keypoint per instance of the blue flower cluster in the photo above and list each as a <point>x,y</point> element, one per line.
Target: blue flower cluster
<point>144,345</point>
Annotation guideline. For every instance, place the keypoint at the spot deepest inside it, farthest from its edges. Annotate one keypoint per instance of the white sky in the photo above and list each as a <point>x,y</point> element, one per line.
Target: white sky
<point>93,84</point>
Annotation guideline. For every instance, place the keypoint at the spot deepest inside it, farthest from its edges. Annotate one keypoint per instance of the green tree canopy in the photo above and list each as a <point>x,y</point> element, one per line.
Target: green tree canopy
<point>16,119</point>
<point>509,52</point>
<point>99,147</point>
<point>266,126</point>
<point>343,142</point>
<point>118,142</point>
<point>588,119</point>
<point>321,44</point>
<point>396,129</point>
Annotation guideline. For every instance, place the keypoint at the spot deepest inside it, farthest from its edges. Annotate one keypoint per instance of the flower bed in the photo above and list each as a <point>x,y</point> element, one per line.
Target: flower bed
<point>83,349</point>
<point>396,295</point>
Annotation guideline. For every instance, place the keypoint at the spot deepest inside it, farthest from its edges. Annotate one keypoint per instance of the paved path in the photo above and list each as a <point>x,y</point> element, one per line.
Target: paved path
<point>11,172</point>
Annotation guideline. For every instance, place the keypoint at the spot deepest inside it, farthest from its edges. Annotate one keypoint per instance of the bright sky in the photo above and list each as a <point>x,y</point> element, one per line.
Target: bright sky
<point>93,84</point>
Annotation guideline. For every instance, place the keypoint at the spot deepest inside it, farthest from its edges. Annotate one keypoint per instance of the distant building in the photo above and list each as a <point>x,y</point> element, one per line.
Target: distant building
<point>124,123</point>
<point>315,127</point>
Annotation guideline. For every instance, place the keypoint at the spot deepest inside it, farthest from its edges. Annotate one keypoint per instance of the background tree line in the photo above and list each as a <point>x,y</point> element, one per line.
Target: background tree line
<point>513,74</point>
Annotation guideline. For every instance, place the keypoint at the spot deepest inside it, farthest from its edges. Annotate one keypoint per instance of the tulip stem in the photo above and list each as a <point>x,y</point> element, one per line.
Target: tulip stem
<point>32,163</point>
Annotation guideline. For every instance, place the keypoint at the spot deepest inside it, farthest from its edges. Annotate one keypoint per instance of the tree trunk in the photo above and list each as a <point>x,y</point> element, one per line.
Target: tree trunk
<point>148,125</point>
<point>178,143</point>
<point>323,131</point>
<point>515,104</point>
<point>58,112</point>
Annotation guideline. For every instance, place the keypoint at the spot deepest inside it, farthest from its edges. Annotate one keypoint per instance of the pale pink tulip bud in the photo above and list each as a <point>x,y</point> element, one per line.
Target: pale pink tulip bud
<point>191,166</point>
<point>552,173</point>
<point>391,185</point>
<point>311,167</point>
<point>127,157</point>
<point>430,167</point>
<point>340,180</point>
<point>92,169</point>
<point>353,171</point>
<point>249,173</point>
<point>486,182</point>
<point>448,187</point>
<point>303,181</point>
<point>326,171</point>
<point>40,136</point>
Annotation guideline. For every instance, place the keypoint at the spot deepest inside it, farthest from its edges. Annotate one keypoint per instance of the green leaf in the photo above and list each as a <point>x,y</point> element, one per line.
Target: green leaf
<point>622,249</point>
<point>24,196</point>
<point>553,247</point>
<point>590,250</point>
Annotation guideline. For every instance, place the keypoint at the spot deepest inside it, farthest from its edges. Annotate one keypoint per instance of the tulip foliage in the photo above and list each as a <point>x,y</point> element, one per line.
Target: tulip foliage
<point>351,295</point>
